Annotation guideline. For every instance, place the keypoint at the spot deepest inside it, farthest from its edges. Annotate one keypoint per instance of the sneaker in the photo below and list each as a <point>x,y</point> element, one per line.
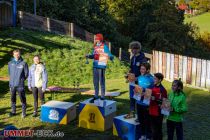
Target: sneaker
<point>102,98</point>
<point>92,100</point>
<point>12,114</point>
<point>137,120</point>
<point>34,114</point>
<point>142,138</point>
<point>130,115</point>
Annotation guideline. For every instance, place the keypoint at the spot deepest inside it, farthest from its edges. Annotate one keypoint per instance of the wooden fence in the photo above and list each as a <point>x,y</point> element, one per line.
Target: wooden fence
<point>35,22</point>
<point>30,21</point>
<point>192,71</point>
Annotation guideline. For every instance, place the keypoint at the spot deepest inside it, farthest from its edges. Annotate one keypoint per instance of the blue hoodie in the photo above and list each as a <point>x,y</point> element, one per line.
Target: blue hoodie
<point>145,81</point>
<point>100,54</point>
<point>18,72</point>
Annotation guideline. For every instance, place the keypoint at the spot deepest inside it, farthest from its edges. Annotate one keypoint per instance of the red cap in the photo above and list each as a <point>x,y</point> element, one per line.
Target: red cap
<point>99,37</point>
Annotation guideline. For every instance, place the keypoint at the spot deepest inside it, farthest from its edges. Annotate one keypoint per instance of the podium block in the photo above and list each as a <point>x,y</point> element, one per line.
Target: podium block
<point>126,129</point>
<point>95,116</point>
<point>58,112</point>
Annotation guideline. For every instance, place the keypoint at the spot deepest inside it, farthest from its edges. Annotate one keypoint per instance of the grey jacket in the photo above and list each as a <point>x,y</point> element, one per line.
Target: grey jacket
<point>32,76</point>
<point>18,72</point>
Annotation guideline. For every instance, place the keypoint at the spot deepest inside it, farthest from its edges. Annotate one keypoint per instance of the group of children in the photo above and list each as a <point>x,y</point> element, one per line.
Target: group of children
<point>147,95</point>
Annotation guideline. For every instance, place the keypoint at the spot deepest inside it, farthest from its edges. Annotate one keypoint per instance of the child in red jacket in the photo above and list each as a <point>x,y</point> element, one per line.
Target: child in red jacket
<point>156,118</point>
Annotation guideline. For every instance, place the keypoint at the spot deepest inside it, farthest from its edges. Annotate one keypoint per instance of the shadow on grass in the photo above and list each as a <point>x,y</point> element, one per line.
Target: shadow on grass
<point>27,37</point>
<point>4,88</point>
<point>197,119</point>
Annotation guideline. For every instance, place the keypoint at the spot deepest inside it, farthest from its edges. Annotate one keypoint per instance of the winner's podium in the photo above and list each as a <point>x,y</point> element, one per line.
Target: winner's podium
<point>58,112</point>
<point>98,115</point>
<point>126,129</point>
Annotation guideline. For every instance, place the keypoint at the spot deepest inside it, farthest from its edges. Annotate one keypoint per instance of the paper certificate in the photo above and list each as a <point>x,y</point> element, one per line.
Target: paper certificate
<point>103,59</point>
<point>166,107</point>
<point>147,96</point>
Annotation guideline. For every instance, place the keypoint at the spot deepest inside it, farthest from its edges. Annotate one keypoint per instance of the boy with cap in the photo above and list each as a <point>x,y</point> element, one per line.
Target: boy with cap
<point>100,55</point>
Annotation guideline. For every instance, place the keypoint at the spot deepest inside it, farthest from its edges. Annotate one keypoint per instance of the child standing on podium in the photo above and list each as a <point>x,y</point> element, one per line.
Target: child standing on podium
<point>137,59</point>
<point>100,56</point>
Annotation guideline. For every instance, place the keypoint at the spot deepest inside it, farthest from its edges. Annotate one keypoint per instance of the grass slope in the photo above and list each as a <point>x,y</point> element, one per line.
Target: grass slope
<point>202,21</point>
<point>63,56</point>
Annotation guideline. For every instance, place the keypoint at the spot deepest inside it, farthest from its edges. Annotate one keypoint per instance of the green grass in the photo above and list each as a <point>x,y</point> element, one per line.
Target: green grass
<point>62,55</point>
<point>202,21</point>
<point>196,123</point>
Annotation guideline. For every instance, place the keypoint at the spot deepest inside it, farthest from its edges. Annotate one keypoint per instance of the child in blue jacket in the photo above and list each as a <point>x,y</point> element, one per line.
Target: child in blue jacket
<point>100,56</point>
<point>146,82</point>
<point>136,60</point>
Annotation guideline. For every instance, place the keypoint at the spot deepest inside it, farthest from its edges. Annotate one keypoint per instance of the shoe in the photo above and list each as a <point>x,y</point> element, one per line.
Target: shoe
<point>34,114</point>
<point>137,120</point>
<point>92,100</point>
<point>130,115</point>
<point>12,114</point>
<point>142,138</point>
<point>102,98</point>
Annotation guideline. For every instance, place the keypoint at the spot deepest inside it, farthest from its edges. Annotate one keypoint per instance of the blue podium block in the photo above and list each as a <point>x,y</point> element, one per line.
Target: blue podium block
<point>58,112</point>
<point>126,129</point>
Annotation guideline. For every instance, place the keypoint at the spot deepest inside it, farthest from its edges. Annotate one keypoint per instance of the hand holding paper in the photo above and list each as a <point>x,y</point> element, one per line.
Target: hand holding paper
<point>138,89</point>
<point>131,77</point>
<point>165,107</point>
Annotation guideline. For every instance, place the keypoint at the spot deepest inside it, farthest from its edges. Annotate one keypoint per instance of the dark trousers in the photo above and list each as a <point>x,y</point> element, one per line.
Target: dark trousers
<point>156,127</point>
<point>35,92</point>
<point>132,104</point>
<point>99,76</point>
<point>144,120</point>
<point>132,100</point>
<point>171,127</point>
<point>21,93</point>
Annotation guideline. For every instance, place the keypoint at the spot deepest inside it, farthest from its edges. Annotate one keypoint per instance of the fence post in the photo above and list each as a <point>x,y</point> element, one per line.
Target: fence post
<point>110,46</point>
<point>72,29</point>
<point>21,18</point>
<point>120,53</point>
<point>48,24</point>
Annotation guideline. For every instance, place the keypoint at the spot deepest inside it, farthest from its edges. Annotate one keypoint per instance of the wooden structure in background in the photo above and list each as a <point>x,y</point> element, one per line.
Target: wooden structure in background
<point>192,71</point>
<point>7,13</point>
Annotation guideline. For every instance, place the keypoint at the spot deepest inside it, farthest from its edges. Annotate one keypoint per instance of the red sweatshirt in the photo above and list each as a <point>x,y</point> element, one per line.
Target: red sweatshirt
<point>158,92</point>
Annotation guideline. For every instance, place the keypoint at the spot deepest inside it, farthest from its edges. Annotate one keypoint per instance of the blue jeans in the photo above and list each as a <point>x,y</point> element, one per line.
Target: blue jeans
<point>99,76</point>
<point>171,126</point>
